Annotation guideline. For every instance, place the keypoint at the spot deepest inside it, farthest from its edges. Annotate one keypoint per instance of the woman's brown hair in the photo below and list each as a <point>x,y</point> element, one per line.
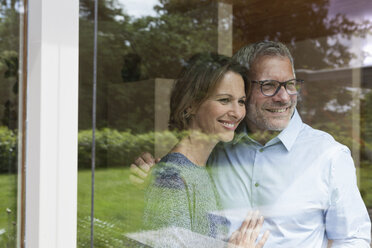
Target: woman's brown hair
<point>196,82</point>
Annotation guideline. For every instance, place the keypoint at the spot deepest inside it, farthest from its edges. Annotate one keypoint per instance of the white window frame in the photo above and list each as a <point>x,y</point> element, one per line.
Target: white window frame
<point>51,123</point>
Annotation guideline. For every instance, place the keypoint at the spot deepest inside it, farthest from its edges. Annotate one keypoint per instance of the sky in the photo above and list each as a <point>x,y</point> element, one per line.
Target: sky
<point>356,10</point>
<point>138,8</point>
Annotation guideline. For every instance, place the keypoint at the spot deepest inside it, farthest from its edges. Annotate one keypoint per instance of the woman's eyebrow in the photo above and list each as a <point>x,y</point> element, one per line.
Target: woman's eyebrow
<point>224,94</point>
<point>229,95</point>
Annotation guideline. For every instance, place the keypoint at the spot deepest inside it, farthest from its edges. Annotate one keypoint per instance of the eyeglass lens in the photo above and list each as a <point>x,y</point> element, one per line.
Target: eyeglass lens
<point>269,88</point>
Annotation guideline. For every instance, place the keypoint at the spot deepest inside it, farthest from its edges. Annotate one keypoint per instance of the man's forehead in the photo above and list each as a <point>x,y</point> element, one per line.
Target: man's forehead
<point>277,67</point>
<point>270,59</point>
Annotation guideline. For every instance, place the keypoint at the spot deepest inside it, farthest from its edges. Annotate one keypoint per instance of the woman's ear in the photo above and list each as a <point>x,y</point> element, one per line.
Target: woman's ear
<point>190,111</point>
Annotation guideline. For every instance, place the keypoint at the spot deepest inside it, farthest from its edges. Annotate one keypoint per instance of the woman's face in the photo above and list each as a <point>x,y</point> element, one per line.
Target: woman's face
<point>223,110</point>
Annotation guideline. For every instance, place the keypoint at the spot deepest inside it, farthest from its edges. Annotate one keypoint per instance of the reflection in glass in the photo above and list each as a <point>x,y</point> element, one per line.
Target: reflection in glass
<point>9,88</point>
<point>141,51</point>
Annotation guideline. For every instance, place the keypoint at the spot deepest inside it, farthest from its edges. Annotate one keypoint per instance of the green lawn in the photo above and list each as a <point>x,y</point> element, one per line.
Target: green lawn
<point>365,185</point>
<point>118,206</point>
<point>8,209</point>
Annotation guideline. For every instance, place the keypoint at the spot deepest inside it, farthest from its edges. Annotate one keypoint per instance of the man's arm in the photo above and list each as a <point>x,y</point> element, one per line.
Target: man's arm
<point>346,220</point>
<point>141,167</point>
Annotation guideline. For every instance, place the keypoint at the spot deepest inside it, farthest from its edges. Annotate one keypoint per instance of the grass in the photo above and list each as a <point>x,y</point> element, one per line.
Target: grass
<point>365,185</point>
<point>118,206</point>
<point>8,209</point>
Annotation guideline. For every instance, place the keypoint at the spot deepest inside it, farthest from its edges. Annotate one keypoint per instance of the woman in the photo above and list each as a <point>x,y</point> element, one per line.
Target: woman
<point>207,104</point>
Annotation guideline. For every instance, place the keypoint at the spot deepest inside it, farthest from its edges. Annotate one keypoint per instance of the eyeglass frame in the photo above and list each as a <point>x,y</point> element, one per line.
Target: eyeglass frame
<point>280,85</point>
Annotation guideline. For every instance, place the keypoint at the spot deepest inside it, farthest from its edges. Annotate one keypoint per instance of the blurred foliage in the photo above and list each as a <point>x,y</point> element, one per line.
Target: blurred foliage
<point>9,47</point>
<point>8,150</point>
<point>366,129</point>
<point>117,149</point>
<point>134,49</point>
<point>296,21</point>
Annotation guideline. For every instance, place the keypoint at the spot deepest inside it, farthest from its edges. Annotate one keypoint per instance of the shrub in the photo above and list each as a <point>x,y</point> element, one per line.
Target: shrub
<point>8,150</point>
<point>114,148</point>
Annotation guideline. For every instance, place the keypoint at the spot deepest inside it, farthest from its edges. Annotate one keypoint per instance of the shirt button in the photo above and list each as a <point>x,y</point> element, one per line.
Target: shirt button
<point>256,184</point>
<point>261,150</point>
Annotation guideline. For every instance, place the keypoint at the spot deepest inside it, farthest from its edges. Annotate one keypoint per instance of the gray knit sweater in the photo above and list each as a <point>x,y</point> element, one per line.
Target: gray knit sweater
<point>181,194</point>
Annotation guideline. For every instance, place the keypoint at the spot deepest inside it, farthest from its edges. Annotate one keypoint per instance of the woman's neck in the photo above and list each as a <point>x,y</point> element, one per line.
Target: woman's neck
<point>196,147</point>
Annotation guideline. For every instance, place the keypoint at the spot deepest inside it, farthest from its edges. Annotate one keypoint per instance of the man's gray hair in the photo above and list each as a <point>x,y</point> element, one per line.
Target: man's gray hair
<point>247,55</point>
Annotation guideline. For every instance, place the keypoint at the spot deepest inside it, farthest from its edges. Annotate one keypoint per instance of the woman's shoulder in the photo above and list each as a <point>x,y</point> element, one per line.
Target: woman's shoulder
<point>171,171</point>
<point>168,172</point>
<point>176,159</point>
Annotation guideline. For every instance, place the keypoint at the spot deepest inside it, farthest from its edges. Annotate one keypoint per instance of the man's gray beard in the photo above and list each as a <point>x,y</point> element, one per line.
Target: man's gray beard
<point>263,124</point>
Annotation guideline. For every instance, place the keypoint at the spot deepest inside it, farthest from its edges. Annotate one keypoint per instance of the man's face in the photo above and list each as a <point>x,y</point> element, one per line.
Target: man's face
<point>271,113</point>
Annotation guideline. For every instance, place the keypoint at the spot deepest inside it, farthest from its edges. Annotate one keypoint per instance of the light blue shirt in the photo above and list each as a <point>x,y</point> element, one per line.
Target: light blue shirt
<point>302,181</point>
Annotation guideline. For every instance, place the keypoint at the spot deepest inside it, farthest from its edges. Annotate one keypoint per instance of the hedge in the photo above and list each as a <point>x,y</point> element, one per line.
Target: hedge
<point>116,149</point>
<point>8,150</point>
<point>113,148</point>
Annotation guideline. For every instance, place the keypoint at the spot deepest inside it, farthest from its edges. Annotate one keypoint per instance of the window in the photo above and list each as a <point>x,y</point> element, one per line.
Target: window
<point>143,45</point>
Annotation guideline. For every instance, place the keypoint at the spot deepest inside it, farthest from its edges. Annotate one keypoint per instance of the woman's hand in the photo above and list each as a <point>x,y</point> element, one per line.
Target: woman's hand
<point>248,232</point>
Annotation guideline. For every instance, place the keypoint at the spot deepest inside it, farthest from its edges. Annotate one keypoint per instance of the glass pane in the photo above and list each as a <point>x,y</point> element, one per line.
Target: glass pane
<point>10,12</point>
<point>143,46</point>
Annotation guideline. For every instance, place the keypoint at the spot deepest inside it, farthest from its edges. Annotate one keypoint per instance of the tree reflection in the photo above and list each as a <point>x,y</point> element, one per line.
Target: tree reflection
<point>133,49</point>
<point>9,47</point>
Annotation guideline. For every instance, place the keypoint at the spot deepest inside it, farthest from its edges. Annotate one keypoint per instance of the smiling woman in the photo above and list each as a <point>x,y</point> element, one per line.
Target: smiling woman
<point>208,101</point>
<point>223,110</point>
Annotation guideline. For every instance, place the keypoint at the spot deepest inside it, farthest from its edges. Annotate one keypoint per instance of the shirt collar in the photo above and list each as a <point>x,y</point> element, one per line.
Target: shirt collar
<point>287,136</point>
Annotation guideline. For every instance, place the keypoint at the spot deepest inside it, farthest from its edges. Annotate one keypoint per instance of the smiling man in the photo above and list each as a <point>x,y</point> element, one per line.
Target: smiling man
<point>301,179</point>
<point>272,109</point>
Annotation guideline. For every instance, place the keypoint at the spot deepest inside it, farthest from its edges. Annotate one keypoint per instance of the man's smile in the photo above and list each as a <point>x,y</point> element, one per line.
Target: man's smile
<point>281,110</point>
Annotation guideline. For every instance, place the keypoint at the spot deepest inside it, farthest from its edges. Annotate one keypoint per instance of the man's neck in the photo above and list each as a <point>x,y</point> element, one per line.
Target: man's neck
<point>262,136</point>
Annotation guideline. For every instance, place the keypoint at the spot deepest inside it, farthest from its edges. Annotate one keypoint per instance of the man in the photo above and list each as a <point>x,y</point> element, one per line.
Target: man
<point>301,179</point>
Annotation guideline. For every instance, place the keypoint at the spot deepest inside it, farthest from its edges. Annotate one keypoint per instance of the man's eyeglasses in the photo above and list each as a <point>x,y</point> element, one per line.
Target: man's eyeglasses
<point>272,87</point>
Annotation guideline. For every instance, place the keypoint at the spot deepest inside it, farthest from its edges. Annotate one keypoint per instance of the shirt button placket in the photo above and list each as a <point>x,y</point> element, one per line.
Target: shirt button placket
<point>255,177</point>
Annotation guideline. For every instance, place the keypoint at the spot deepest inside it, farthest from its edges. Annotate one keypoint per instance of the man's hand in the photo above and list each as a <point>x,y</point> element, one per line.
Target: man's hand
<point>248,232</point>
<point>141,168</point>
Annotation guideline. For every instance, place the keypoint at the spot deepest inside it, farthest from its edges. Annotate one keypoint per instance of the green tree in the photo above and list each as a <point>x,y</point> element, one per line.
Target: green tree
<point>9,47</point>
<point>134,49</point>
